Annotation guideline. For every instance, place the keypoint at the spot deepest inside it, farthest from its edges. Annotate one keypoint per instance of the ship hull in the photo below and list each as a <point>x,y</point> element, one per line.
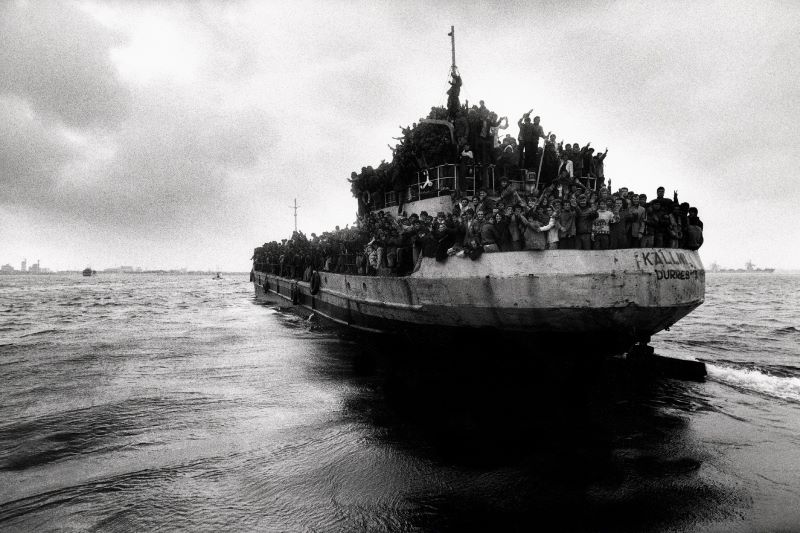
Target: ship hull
<point>604,301</point>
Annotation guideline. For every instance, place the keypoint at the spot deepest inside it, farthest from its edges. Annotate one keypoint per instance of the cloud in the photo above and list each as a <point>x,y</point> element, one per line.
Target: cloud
<point>56,57</point>
<point>159,124</point>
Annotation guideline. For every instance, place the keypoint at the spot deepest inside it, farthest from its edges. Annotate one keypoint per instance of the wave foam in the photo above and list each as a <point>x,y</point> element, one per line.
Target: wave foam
<point>787,388</point>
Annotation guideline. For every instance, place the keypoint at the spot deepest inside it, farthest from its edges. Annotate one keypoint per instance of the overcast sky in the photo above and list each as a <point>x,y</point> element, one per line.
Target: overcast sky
<point>177,134</point>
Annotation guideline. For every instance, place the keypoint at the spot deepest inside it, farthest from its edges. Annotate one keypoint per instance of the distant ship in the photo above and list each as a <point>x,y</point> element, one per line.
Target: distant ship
<point>749,268</point>
<point>217,276</point>
<point>88,272</point>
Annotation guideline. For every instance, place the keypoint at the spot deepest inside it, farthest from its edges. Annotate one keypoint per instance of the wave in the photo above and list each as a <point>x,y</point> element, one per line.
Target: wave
<point>783,387</point>
<point>788,330</point>
<point>40,332</point>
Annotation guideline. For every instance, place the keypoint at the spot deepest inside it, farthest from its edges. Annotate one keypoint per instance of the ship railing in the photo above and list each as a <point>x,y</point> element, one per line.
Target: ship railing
<point>468,179</point>
<point>437,181</point>
<point>390,199</point>
<point>343,263</point>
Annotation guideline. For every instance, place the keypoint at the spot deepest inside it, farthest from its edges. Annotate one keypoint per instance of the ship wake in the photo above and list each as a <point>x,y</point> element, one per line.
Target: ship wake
<point>757,381</point>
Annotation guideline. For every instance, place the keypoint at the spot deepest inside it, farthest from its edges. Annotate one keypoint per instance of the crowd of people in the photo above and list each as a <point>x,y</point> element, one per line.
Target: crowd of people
<point>474,142</point>
<point>562,211</point>
<point>562,216</point>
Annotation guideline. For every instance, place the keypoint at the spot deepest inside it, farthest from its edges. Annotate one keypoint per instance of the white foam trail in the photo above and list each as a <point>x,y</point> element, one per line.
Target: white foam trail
<point>787,388</point>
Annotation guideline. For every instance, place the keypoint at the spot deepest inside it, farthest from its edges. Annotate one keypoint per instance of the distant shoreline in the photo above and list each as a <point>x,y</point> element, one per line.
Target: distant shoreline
<point>100,272</point>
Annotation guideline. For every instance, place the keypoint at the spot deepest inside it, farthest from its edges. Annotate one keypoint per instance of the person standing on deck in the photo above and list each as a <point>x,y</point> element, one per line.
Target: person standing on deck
<point>529,134</point>
<point>638,223</point>
<point>602,226</point>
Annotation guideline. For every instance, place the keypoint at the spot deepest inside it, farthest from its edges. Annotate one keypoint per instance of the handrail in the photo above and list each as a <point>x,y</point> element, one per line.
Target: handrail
<point>450,177</point>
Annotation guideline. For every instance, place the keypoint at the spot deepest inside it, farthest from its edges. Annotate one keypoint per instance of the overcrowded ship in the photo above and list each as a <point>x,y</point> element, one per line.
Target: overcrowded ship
<point>607,300</point>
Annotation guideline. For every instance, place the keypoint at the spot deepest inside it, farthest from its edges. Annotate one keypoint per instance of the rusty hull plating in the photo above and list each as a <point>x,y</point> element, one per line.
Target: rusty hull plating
<point>599,299</point>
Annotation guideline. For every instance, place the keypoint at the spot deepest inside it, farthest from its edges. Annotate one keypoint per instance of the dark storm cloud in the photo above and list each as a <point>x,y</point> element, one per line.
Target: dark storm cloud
<point>80,144</point>
<point>56,58</point>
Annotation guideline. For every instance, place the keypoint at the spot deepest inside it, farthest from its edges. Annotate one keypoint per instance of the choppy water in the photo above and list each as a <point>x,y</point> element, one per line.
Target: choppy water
<point>136,403</point>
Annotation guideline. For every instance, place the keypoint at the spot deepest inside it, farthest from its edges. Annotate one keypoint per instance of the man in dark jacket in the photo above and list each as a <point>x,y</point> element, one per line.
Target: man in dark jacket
<point>584,217</point>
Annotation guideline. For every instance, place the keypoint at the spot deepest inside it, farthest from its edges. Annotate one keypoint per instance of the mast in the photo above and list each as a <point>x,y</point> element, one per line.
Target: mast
<point>452,35</point>
<point>295,207</point>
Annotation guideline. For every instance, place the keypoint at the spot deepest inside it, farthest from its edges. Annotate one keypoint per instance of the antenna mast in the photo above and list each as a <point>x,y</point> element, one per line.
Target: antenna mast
<point>295,207</point>
<point>452,35</point>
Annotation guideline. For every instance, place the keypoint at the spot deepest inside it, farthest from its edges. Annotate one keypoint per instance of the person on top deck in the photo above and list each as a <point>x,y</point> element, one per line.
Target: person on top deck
<point>577,160</point>
<point>529,134</point>
<point>588,168</point>
<point>598,164</point>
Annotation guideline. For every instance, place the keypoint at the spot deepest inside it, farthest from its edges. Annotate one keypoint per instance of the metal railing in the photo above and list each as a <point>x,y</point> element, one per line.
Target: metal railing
<point>467,179</point>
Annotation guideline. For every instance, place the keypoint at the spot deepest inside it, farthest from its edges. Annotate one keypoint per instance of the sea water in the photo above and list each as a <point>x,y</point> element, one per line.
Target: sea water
<point>168,402</point>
